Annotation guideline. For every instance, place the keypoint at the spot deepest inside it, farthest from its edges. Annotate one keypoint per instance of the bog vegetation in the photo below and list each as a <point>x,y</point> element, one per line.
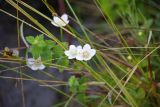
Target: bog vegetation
<point>114,62</point>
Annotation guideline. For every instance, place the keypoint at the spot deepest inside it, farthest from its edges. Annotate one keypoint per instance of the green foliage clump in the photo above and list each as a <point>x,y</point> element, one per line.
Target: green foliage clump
<point>48,50</point>
<point>77,86</point>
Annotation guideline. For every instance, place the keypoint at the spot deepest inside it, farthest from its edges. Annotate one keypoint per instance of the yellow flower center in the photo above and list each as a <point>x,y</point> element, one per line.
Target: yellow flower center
<point>86,54</point>
<point>37,62</point>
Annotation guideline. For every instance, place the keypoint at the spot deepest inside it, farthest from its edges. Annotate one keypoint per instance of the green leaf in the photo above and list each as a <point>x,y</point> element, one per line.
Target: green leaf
<point>81,97</point>
<point>50,44</point>
<point>41,37</point>
<point>77,66</point>
<point>82,88</point>
<point>65,44</point>
<point>41,48</point>
<point>46,55</point>
<point>83,80</point>
<point>39,41</point>
<point>63,62</point>
<point>73,84</point>
<point>57,51</point>
<point>36,51</point>
<point>30,39</point>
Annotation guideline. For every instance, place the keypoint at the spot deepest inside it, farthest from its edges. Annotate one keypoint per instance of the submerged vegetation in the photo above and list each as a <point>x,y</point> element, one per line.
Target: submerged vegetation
<point>112,55</point>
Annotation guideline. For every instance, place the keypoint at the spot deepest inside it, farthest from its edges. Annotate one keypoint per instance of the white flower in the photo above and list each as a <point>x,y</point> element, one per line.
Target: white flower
<point>35,64</point>
<point>86,53</point>
<point>60,21</point>
<point>15,53</point>
<point>72,52</point>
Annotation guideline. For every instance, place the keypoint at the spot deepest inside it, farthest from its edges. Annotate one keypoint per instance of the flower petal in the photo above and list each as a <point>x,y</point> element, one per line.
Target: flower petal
<point>92,52</point>
<point>54,23</point>
<point>66,53</point>
<point>41,67</point>
<point>30,61</point>
<point>58,22</point>
<point>79,57</point>
<point>33,67</point>
<point>88,58</point>
<point>64,17</point>
<point>71,47</point>
<point>56,19</point>
<point>71,57</point>
<point>79,47</point>
<point>87,47</point>
<point>66,22</point>
<point>79,54</point>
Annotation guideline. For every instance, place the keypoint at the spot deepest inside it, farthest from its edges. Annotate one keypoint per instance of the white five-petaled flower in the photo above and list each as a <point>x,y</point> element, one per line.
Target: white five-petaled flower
<point>60,21</point>
<point>35,64</point>
<point>72,52</point>
<point>85,53</point>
